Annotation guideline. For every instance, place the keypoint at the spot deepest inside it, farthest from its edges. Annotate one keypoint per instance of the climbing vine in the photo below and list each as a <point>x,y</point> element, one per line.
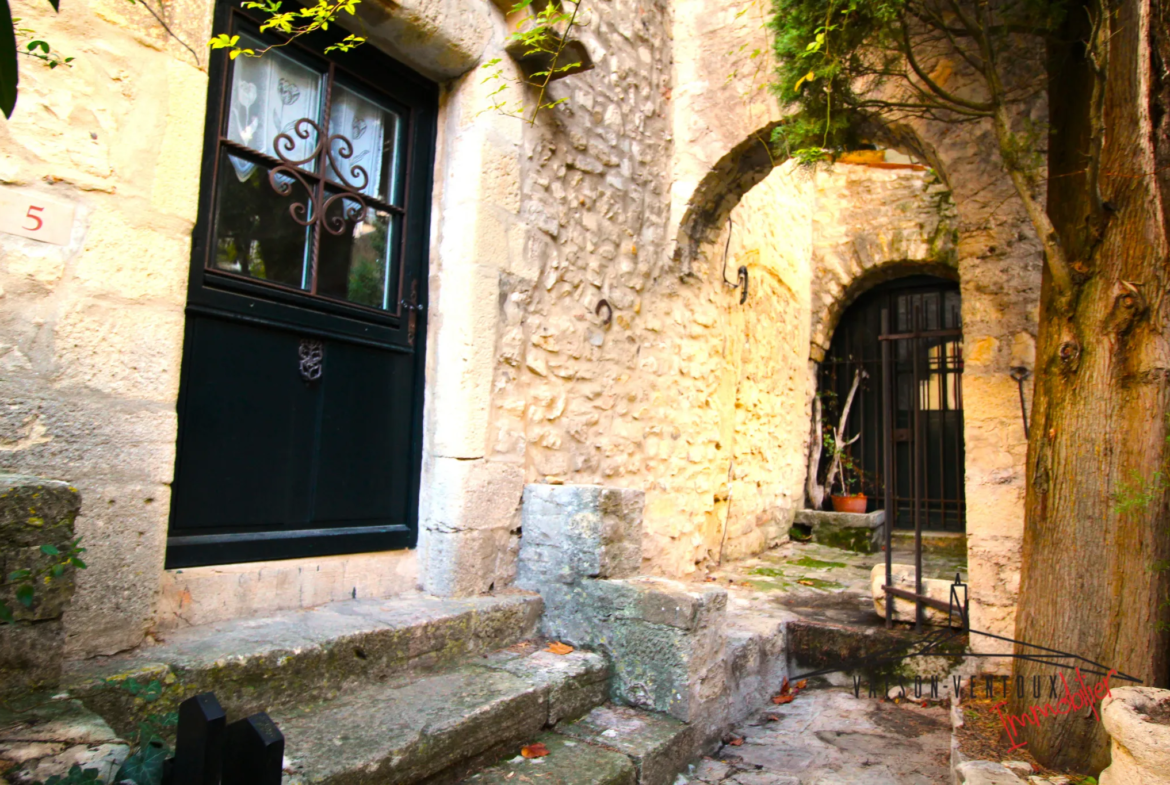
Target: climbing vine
<point>543,39</point>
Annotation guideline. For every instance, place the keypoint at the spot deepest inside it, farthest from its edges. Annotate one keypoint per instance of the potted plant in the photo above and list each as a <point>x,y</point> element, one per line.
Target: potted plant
<point>842,470</point>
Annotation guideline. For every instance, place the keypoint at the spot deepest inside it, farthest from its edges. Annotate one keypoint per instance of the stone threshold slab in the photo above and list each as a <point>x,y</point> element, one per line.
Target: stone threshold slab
<point>296,656</point>
<point>439,726</point>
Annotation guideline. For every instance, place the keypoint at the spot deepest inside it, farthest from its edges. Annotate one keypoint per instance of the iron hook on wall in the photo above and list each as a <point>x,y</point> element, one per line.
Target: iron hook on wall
<point>1021,374</point>
<point>608,318</point>
<point>742,277</point>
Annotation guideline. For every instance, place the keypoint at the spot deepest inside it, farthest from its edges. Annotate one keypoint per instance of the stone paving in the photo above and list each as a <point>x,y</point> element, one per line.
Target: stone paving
<point>828,737</point>
<point>818,582</point>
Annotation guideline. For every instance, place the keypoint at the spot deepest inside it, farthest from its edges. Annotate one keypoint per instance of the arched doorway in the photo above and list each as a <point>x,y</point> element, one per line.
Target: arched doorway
<point>905,338</point>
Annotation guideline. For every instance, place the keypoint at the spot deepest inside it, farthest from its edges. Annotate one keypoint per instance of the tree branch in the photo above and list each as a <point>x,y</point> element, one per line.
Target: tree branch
<point>908,52</point>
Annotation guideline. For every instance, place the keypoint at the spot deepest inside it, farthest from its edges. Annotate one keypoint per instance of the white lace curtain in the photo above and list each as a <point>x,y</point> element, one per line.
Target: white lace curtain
<point>269,95</point>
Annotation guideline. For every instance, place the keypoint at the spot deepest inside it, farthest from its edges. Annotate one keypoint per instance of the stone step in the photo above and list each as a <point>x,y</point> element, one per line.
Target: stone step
<point>569,762</point>
<point>439,726</point>
<point>659,746</point>
<point>299,657</point>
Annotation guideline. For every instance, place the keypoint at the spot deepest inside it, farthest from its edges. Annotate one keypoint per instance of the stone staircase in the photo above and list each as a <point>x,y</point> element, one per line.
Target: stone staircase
<point>398,691</point>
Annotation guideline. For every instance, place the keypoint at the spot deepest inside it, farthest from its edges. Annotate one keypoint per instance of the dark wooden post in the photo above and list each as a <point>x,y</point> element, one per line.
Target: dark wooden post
<point>253,752</point>
<point>199,742</point>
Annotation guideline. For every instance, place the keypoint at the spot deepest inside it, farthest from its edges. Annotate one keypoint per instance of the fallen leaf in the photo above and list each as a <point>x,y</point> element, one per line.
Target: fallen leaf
<point>556,647</point>
<point>784,687</point>
<point>924,704</point>
<point>780,700</point>
<point>806,583</point>
<point>537,750</point>
<point>772,717</point>
<point>736,741</point>
<point>800,685</point>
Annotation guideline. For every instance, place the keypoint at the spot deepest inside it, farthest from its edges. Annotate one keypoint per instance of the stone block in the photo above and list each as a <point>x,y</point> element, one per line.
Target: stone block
<point>30,655</point>
<point>985,772</point>
<point>659,746</point>
<point>577,681</point>
<point>664,638</point>
<point>1139,745</point>
<point>34,511</point>
<point>579,531</point>
<point>568,762</point>
<point>903,575</point>
<point>860,532</point>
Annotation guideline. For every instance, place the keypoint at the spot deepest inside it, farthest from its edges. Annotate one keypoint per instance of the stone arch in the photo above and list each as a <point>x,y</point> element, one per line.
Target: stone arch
<point>746,165</point>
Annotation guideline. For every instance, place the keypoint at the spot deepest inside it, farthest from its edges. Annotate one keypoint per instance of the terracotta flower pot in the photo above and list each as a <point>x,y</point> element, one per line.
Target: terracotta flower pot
<point>854,503</point>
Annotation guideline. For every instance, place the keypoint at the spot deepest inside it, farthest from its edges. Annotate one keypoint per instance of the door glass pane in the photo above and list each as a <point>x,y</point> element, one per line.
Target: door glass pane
<point>370,163</point>
<point>255,234</point>
<point>269,95</point>
<point>357,264</point>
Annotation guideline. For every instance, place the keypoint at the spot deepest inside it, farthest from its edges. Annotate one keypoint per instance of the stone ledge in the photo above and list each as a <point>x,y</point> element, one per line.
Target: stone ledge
<point>298,656</point>
<point>859,532</point>
<point>659,746</point>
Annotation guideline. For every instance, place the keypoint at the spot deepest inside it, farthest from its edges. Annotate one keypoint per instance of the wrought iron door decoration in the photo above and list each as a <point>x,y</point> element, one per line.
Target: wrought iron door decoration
<point>312,359</point>
<point>316,211</point>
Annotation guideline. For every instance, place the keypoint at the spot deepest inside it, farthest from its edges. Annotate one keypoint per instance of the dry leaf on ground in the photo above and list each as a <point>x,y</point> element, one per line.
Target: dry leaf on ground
<point>537,750</point>
<point>556,647</point>
<point>784,687</point>
<point>780,700</point>
<point>800,685</point>
<point>772,717</point>
<point>736,741</point>
<point>806,583</point>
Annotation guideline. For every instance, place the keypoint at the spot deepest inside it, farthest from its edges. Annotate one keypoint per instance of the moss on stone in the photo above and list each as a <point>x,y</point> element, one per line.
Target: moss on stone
<point>817,564</point>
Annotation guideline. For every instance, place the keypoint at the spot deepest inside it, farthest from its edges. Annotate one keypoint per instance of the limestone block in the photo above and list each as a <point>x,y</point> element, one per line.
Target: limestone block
<point>860,532</point>
<point>903,576</point>
<point>476,494</point>
<point>1139,747</point>
<point>30,655</point>
<point>579,531</point>
<point>985,772</point>
<point>35,511</point>
<point>464,355</point>
<point>465,563</point>
<point>659,746</point>
<point>665,639</point>
<point>440,38</point>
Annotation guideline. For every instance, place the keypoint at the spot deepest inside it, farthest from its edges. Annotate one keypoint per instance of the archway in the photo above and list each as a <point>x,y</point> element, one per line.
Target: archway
<point>902,341</point>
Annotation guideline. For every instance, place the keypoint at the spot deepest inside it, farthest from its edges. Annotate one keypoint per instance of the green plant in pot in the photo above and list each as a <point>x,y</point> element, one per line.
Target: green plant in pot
<point>843,476</point>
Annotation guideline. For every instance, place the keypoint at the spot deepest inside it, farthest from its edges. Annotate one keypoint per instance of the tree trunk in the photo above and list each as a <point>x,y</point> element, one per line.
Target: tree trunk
<point>1088,586</point>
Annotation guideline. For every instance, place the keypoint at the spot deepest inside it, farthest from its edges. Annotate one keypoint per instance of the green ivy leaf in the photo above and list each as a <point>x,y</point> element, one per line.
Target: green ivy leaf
<point>24,595</point>
<point>76,562</point>
<point>50,550</point>
<point>18,575</point>
<point>144,767</point>
<point>6,614</point>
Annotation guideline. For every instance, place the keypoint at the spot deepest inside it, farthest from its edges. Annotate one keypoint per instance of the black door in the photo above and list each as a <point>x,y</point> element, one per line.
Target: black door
<point>925,398</point>
<point>301,394</point>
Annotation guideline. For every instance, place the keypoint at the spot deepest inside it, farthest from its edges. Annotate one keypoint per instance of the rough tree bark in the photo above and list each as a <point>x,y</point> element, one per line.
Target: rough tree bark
<point>1103,362</point>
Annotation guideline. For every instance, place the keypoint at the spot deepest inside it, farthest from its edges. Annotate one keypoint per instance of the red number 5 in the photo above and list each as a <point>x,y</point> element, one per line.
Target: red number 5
<point>36,218</point>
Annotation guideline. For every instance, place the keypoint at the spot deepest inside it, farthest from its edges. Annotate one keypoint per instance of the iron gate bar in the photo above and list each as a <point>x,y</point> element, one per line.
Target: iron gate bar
<point>951,333</point>
<point>887,459</point>
<point>922,598</point>
<point>917,412</point>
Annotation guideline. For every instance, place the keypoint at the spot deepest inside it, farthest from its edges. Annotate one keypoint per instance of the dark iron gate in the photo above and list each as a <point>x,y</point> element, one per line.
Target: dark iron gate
<point>908,413</point>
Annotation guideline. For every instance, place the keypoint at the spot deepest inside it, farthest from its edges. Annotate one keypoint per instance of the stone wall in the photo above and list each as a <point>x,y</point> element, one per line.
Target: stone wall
<point>91,331</point>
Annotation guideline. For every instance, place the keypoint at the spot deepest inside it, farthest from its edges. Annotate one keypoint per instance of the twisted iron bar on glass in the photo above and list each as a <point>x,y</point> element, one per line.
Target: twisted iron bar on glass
<point>316,211</point>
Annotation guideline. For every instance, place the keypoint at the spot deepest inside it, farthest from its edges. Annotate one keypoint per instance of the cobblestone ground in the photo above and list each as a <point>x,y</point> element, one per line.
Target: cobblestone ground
<point>828,737</point>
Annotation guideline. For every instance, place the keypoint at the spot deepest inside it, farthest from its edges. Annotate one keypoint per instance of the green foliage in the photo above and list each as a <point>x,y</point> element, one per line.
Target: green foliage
<point>75,776</point>
<point>64,558</point>
<point>845,63</point>
<point>821,46</point>
<point>542,37</point>
<point>293,24</point>
<point>144,767</point>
